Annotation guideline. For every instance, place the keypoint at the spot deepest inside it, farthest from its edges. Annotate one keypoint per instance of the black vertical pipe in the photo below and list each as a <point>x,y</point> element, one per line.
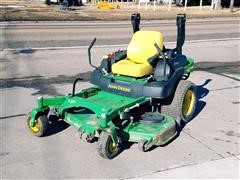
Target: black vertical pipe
<point>89,53</point>
<point>74,85</point>
<point>135,20</point>
<point>181,19</point>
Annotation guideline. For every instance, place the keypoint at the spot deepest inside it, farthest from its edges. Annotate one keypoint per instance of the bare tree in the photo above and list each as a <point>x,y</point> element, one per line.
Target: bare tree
<point>231,5</point>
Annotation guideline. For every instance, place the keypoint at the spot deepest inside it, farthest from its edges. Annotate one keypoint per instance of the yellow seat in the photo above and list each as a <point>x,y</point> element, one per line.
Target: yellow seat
<point>130,68</point>
<point>140,49</point>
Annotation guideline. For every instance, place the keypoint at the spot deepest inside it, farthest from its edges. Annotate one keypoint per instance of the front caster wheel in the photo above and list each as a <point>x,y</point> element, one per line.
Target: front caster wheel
<point>40,127</point>
<point>106,148</point>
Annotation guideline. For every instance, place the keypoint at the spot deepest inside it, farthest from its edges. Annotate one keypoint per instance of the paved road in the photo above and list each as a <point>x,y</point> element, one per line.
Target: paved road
<point>208,143</point>
<point>43,34</point>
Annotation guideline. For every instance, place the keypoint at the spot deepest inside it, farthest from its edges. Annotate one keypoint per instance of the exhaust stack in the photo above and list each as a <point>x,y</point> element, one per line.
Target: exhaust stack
<point>181,19</point>
<point>135,20</point>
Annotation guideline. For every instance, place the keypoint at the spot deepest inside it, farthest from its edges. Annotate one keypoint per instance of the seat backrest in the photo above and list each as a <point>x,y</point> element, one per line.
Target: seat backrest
<point>141,46</point>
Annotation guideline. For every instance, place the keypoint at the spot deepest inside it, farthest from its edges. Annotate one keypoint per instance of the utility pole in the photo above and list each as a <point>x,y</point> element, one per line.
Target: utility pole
<point>231,5</point>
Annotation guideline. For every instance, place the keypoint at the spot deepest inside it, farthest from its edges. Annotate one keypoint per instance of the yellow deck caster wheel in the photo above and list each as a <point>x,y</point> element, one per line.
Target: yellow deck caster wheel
<point>40,127</point>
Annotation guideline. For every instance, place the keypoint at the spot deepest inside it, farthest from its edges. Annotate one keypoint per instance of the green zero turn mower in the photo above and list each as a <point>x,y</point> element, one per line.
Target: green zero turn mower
<point>139,95</point>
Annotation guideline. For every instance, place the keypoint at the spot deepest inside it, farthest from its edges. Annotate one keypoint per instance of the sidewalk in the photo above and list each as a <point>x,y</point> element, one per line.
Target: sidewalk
<point>220,169</point>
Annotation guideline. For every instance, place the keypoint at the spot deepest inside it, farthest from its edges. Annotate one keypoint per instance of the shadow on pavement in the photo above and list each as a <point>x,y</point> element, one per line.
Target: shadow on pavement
<point>225,69</point>
<point>25,51</point>
<point>56,126</point>
<point>201,93</point>
<point>125,146</point>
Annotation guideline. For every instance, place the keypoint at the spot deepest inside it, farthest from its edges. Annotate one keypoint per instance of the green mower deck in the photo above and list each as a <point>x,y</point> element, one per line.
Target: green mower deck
<point>92,111</point>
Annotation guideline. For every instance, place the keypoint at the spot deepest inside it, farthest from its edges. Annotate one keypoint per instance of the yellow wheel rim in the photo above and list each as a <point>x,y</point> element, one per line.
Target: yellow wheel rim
<point>188,103</point>
<point>36,127</point>
<point>111,147</point>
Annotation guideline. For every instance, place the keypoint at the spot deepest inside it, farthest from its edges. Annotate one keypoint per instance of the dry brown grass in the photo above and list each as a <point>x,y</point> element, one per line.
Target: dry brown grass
<point>27,10</point>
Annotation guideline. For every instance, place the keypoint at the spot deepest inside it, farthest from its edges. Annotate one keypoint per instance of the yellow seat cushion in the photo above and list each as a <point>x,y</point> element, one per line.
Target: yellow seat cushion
<point>140,49</point>
<point>141,46</point>
<point>130,68</point>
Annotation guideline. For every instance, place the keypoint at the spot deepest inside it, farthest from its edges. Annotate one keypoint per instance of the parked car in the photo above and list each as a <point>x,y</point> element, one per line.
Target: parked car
<point>67,2</point>
<point>193,2</point>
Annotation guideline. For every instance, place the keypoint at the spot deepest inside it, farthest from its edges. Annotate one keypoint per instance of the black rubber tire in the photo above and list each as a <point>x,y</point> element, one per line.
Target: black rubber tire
<point>175,109</point>
<point>104,143</point>
<point>43,124</point>
<point>141,145</point>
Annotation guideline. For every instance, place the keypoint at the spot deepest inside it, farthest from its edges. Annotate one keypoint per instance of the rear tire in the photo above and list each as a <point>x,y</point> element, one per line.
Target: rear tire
<point>184,102</point>
<point>40,127</point>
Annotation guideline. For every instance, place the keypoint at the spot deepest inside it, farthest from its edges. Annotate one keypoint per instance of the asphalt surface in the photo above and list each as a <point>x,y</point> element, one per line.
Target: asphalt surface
<point>207,147</point>
<point>43,34</point>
